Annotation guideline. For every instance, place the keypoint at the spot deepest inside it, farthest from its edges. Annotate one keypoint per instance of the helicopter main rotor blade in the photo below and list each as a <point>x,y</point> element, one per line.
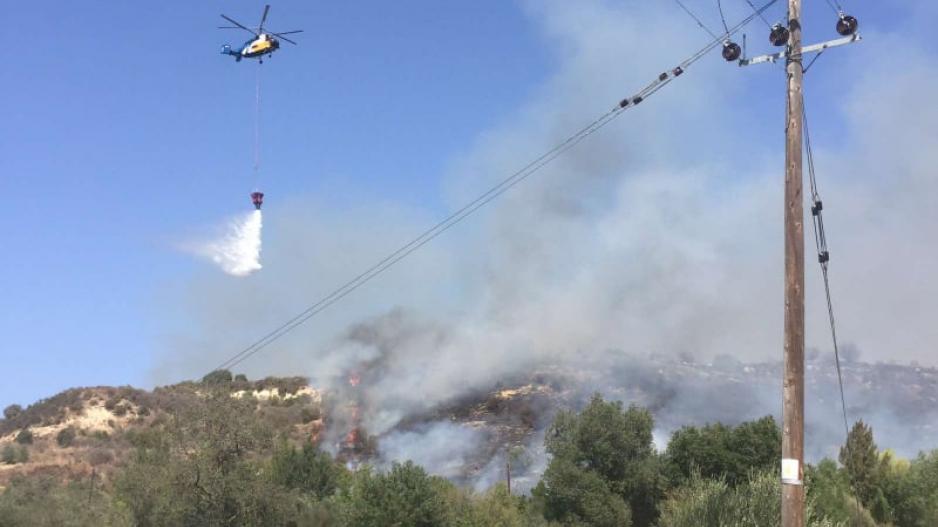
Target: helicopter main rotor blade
<point>260,28</point>
<point>281,37</point>
<point>238,24</point>
<point>289,32</point>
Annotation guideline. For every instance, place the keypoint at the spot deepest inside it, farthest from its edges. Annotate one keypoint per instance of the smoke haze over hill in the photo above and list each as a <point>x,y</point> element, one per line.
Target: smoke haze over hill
<point>658,237</point>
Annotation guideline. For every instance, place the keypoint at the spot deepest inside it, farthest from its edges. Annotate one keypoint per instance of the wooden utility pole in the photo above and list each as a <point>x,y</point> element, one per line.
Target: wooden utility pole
<point>793,502</point>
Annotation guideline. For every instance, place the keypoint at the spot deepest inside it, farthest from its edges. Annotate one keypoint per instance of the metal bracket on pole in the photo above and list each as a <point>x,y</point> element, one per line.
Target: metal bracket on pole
<point>813,48</point>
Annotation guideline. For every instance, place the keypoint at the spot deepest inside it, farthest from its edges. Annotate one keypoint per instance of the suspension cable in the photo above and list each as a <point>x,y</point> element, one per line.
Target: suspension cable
<point>835,5</point>
<point>500,188</point>
<point>753,6</point>
<point>699,23</point>
<point>257,126</point>
<point>820,240</point>
<point>722,16</point>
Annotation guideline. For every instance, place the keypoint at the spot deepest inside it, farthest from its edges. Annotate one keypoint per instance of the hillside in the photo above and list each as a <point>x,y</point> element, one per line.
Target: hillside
<point>91,430</point>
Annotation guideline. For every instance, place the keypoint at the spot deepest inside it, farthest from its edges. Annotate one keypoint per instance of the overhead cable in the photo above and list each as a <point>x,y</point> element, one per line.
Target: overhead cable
<point>762,16</point>
<point>722,16</point>
<point>835,5</point>
<point>500,188</point>
<point>699,23</point>
<point>820,240</point>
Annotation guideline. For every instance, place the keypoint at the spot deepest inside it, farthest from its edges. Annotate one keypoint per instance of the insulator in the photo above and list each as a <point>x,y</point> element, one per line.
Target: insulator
<point>817,207</point>
<point>847,25</point>
<point>731,51</point>
<point>779,35</point>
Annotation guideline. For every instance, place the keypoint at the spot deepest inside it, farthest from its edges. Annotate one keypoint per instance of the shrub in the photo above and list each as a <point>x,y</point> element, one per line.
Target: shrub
<point>217,377</point>
<point>241,377</point>
<point>120,410</point>
<point>12,454</point>
<point>25,437</point>
<point>12,412</point>
<point>66,437</point>
<point>8,455</point>
<point>714,503</point>
<point>405,495</point>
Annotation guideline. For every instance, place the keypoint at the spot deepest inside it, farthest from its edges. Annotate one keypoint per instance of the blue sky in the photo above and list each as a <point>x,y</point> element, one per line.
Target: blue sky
<point>124,131</point>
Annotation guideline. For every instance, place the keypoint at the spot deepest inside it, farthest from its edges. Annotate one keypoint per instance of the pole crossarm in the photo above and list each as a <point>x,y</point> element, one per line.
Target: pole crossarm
<point>813,48</point>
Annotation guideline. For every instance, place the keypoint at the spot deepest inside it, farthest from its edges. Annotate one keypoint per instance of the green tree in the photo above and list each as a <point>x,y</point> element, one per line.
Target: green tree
<point>911,489</point>
<point>604,446</point>
<point>12,412</point>
<point>574,495</point>
<point>405,496</point>
<point>309,470</point>
<point>718,451</point>
<point>828,488</point>
<point>861,459</point>
<point>217,377</point>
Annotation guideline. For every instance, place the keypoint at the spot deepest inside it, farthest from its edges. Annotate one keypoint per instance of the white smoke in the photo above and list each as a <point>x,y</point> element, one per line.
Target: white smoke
<point>238,250</point>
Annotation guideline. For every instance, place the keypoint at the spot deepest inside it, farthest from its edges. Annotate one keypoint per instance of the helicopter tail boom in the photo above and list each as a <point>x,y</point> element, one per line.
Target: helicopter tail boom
<point>226,50</point>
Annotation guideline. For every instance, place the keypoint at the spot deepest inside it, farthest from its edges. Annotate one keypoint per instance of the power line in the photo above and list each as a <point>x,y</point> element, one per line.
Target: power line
<point>835,5</point>
<point>699,23</point>
<point>503,186</point>
<point>722,16</point>
<point>753,6</point>
<point>820,240</point>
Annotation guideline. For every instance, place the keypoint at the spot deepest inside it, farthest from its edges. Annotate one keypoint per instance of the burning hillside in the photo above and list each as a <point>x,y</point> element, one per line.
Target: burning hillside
<point>472,437</point>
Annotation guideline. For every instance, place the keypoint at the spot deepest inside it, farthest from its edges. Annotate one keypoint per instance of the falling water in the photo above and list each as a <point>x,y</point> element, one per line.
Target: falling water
<point>238,251</point>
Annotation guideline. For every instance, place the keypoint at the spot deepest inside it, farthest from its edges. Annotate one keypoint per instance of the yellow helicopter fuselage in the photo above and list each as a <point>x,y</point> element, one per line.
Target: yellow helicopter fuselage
<point>264,44</point>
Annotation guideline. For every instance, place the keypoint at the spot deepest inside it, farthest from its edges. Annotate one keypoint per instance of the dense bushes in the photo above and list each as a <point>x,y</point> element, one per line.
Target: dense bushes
<point>41,501</point>
<point>12,455</point>
<point>215,462</point>
<point>719,451</point>
<point>217,377</point>
<point>714,503</point>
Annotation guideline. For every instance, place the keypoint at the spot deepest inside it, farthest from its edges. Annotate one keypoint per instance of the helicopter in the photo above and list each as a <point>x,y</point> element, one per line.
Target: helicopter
<point>263,43</point>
